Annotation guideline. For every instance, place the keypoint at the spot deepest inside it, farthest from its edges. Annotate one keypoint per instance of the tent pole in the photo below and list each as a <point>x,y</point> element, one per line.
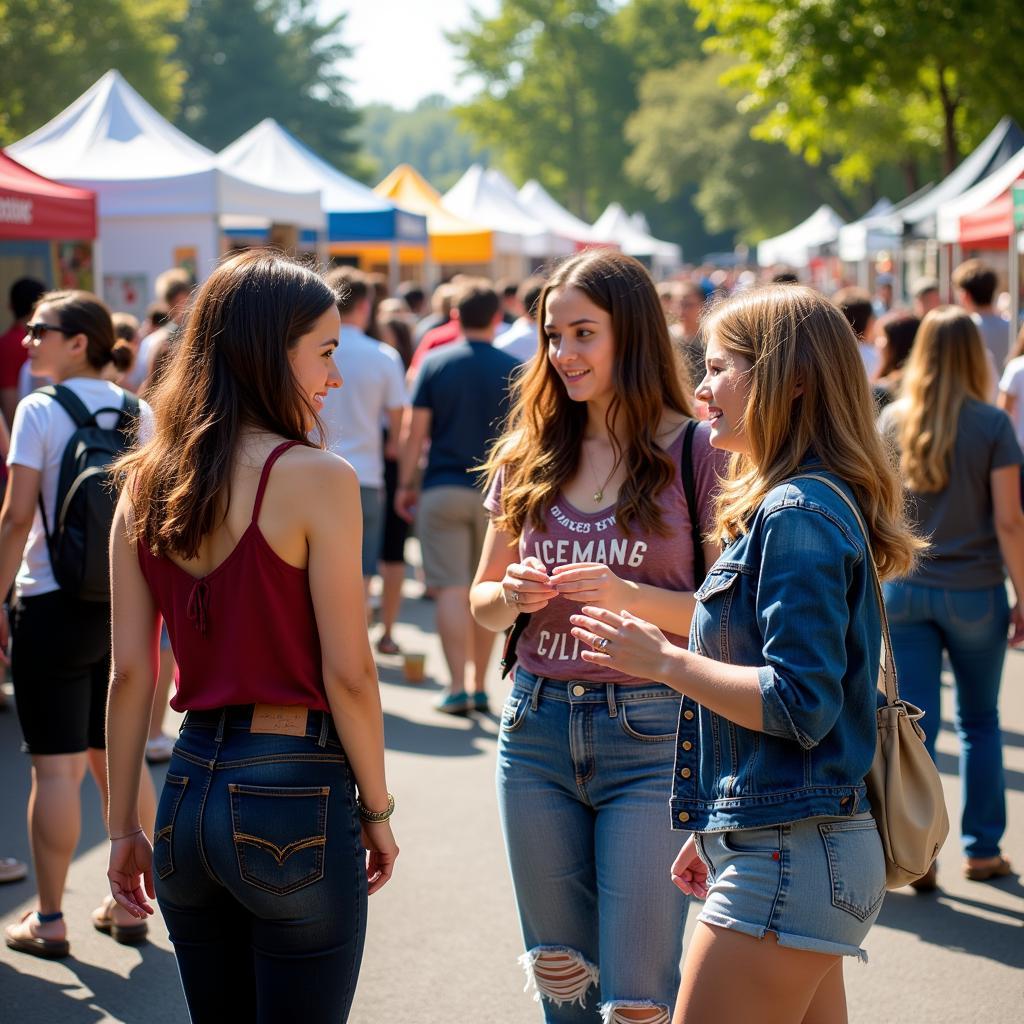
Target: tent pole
<point>394,269</point>
<point>1014,281</point>
<point>97,268</point>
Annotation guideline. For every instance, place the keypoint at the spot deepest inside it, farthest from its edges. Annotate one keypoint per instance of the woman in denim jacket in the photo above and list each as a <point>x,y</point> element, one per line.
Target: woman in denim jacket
<point>777,722</point>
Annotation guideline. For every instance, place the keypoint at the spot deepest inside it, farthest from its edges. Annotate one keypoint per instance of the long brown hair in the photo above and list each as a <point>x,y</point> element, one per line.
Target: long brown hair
<point>542,444</point>
<point>799,344</point>
<point>947,365</point>
<point>229,371</point>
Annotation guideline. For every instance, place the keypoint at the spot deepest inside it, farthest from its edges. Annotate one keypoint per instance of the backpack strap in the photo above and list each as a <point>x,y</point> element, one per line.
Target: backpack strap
<point>265,475</point>
<point>690,490</point>
<point>69,402</point>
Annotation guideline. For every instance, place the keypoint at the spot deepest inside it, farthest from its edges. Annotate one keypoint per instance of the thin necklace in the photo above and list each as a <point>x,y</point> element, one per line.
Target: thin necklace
<point>599,493</point>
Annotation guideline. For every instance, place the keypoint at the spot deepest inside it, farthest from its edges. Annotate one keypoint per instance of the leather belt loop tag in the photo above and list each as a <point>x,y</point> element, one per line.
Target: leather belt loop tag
<point>279,719</point>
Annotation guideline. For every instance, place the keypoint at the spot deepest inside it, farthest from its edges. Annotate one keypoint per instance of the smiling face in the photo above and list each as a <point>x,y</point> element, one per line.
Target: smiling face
<point>312,359</point>
<point>581,344</point>
<point>726,389</point>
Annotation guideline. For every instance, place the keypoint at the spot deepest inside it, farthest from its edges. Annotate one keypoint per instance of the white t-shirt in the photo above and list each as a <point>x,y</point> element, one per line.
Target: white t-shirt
<point>1012,382</point>
<point>373,383</point>
<point>520,340</point>
<point>871,357</point>
<point>39,435</point>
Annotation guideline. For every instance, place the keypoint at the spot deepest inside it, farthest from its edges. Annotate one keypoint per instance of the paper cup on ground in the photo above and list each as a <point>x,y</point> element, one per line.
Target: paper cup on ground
<point>414,667</point>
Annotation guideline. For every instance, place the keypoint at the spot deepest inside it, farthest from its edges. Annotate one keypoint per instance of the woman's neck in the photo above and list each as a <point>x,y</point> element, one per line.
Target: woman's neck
<point>79,371</point>
<point>597,428</point>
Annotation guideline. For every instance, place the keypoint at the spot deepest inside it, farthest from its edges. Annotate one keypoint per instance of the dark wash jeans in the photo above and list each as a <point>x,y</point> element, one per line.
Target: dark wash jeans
<point>260,871</point>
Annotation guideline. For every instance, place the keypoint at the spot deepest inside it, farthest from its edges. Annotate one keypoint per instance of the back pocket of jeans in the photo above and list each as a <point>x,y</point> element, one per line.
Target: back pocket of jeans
<point>163,838</point>
<point>855,865</point>
<point>280,834</point>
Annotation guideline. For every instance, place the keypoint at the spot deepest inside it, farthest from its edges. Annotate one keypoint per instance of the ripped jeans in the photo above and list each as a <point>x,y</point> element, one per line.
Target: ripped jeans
<point>584,778</point>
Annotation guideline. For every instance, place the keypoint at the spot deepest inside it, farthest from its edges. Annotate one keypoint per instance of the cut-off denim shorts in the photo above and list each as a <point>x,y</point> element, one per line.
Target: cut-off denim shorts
<point>817,884</point>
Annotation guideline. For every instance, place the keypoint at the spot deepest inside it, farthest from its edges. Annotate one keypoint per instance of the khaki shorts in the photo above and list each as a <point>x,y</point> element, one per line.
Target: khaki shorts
<point>451,523</point>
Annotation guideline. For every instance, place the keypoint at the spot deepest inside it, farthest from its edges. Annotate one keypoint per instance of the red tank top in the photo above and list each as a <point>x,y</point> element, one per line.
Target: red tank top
<point>245,633</point>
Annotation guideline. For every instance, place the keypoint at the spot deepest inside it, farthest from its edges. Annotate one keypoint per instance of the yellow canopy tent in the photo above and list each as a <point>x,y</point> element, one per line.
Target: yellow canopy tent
<point>452,239</point>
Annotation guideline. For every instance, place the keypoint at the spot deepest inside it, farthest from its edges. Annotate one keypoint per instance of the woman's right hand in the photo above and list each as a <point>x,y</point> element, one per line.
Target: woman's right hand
<point>381,853</point>
<point>526,586</point>
<point>689,872</point>
<point>130,873</point>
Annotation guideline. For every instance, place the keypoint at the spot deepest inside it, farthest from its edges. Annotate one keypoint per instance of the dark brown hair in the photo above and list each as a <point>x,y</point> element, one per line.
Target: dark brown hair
<point>402,334</point>
<point>855,305</point>
<point>350,285</point>
<point>230,370</point>
<point>541,449</point>
<point>978,280</point>
<point>478,304</point>
<point>85,313</point>
<point>900,329</point>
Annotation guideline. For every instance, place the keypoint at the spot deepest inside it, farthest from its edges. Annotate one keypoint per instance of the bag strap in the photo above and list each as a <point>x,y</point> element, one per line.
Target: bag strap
<point>69,402</point>
<point>892,693</point>
<point>690,490</point>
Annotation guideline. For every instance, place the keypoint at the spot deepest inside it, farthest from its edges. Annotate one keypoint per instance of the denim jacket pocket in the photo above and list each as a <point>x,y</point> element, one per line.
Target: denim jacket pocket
<point>280,833</point>
<point>163,837</point>
<point>852,847</point>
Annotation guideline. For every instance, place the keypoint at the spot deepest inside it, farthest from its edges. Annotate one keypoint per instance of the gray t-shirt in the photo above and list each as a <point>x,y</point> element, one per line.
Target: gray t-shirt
<point>958,520</point>
<point>995,333</point>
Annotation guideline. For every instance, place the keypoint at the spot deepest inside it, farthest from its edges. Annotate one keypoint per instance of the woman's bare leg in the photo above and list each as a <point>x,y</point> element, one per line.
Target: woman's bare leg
<point>731,978</point>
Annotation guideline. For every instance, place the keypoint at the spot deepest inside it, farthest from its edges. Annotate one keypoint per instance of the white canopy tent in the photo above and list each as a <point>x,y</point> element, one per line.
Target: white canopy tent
<point>976,198</point>
<point>488,198</point>
<point>871,234</point>
<point>162,197</point>
<point>632,236</point>
<point>796,247</point>
<point>539,204</point>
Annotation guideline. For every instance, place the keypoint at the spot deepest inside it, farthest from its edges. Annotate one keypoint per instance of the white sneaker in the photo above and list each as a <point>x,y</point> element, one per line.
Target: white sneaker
<point>160,749</point>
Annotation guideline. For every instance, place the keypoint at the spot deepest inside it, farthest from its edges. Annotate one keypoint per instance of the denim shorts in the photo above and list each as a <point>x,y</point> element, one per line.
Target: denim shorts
<point>817,883</point>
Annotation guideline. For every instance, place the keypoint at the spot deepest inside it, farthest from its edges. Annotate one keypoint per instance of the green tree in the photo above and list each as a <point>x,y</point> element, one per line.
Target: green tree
<point>688,133</point>
<point>250,59</point>
<point>873,81</point>
<point>429,137</point>
<point>53,50</point>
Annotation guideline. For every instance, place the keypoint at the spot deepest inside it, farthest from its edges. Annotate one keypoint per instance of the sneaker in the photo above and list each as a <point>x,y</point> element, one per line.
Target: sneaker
<point>480,703</point>
<point>160,749</point>
<point>12,870</point>
<point>455,704</point>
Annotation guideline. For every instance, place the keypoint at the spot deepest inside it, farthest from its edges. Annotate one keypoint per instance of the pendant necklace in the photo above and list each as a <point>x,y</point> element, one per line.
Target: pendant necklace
<point>598,494</point>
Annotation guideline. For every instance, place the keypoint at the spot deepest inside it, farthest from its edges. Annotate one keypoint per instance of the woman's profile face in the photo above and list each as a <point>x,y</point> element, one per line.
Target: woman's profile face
<point>581,344</point>
<point>726,390</point>
<point>312,359</point>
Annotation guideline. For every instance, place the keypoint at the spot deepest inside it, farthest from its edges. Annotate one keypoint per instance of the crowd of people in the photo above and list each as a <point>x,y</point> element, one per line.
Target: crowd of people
<point>674,500</point>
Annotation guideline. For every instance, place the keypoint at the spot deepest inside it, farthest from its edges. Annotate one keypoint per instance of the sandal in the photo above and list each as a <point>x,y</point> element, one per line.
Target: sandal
<point>385,645</point>
<point>126,934</point>
<point>19,937</point>
<point>985,868</point>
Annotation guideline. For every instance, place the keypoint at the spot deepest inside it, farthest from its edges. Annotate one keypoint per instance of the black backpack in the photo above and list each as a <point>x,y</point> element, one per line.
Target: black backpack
<point>85,495</point>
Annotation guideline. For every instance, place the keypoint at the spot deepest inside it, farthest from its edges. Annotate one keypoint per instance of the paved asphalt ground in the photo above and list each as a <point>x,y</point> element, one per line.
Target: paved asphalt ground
<point>443,937</point>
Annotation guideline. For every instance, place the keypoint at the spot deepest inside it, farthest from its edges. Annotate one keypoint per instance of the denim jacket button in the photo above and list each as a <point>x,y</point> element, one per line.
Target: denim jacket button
<point>687,745</point>
<point>685,773</point>
<point>683,816</point>
<point>688,715</point>
<point>578,691</point>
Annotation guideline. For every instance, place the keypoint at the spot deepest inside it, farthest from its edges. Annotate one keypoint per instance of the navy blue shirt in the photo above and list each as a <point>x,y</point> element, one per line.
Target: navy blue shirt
<point>465,386</point>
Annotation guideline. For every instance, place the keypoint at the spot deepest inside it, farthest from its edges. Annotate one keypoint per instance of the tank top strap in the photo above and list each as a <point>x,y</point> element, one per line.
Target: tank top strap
<point>265,475</point>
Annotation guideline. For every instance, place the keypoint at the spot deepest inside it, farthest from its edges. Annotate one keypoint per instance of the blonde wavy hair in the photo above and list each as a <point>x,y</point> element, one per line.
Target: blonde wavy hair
<point>799,344</point>
<point>947,365</point>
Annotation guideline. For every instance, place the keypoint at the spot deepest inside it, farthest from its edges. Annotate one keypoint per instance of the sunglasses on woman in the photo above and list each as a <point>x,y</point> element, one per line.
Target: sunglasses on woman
<point>37,330</point>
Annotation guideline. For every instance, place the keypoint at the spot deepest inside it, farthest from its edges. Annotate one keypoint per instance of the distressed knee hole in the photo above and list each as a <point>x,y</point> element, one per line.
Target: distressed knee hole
<point>634,1011</point>
<point>558,974</point>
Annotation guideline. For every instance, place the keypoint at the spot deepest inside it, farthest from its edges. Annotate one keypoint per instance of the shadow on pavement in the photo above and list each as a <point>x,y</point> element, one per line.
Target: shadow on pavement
<point>949,765</point>
<point>441,740</point>
<point>945,920</point>
<point>1010,738</point>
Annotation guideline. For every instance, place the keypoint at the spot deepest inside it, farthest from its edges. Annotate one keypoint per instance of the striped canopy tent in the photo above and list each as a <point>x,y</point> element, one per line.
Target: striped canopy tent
<point>452,239</point>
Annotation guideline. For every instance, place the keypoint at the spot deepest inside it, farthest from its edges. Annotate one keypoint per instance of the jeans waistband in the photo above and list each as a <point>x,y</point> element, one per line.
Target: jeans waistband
<point>319,724</point>
<point>587,691</point>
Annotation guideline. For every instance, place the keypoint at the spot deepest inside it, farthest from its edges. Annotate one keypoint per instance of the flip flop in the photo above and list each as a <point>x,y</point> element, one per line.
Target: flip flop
<point>385,645</point>
<point>126,934</point>
<point>996,867</point>
<point>47,949</point>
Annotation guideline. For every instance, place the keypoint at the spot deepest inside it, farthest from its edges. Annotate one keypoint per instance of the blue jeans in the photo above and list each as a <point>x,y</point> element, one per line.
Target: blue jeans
<point>971,626</point>
<point>260,870</point>
<point>584,774</point>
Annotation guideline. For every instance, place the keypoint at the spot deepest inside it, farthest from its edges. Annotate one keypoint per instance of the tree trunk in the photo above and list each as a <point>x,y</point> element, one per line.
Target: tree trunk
<point>950,103</point>
<point>910,176</point>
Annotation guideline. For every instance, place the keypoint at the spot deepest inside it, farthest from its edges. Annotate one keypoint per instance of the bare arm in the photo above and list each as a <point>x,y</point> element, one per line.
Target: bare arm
<point>415,431</point>
<point>392,447</point>
<point>1009,523</point>
<point>1008,403</point>
<point>8,403</point>
<point>16,516</point>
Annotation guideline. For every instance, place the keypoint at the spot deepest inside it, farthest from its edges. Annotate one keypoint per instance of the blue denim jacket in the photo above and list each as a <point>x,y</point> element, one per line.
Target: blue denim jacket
<point>792,597</point>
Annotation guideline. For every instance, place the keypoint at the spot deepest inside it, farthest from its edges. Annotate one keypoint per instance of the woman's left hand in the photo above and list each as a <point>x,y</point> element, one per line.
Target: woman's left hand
<point>623,642</point>
<point>590,583</point>
<point>1016,625</point>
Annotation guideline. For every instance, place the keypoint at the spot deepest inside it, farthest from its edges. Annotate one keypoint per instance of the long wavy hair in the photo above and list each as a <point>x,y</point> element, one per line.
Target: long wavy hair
<point>946,366</point>
<point>541,447</point>
<point>230,371</point>
<point>797,341</point>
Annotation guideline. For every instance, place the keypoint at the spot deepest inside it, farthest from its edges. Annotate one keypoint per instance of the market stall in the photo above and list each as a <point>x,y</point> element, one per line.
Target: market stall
<point>615,225</point>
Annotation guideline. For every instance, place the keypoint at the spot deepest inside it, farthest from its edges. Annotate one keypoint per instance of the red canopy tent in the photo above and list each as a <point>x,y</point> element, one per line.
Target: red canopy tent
<point>989,227</point>
<point>35,208</point>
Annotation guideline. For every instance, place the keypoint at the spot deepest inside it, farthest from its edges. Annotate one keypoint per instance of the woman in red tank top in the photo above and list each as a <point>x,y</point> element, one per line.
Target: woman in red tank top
<point>273,824</point>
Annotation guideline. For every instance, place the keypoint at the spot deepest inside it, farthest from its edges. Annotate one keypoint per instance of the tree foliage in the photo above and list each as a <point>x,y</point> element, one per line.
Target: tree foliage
<point>429,137</point>
<point>250,59</point>
<point>873,81</point>
<point>53,50</point>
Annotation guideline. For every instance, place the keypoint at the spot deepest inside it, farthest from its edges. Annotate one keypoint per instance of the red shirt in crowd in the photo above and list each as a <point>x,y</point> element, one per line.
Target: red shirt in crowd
<point>12,354</point>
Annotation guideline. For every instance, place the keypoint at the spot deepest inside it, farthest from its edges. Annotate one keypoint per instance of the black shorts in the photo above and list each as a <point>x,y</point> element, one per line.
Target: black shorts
<point>396,529</point>
<point>60,664</point>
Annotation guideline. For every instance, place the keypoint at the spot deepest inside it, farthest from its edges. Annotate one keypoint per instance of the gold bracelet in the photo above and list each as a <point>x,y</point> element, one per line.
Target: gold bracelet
<point>375,816</point>
<point>128,835</point>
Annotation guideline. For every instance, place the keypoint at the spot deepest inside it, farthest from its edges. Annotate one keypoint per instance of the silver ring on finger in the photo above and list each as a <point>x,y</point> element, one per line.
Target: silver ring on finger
<point>515,597</point>
<point>602,643</point>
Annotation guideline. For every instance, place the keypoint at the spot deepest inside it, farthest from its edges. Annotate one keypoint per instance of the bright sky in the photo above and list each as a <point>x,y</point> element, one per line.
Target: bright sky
<point>401,54</point>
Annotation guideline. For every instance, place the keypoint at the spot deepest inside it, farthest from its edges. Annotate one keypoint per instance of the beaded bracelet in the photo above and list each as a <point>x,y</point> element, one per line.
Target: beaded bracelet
<point>375,816</point>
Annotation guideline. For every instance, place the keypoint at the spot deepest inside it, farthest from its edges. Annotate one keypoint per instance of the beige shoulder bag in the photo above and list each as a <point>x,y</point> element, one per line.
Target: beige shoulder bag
<point>903,783</point>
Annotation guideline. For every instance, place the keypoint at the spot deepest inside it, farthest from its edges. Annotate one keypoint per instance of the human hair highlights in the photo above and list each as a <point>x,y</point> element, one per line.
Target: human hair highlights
<point>946,366</point>
<point>542,445</point>
<point>808,394</point>
<point>230,370</point>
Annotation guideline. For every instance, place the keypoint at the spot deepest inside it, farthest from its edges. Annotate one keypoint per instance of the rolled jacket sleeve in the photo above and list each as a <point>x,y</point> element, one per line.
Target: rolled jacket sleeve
<point>803,611</point>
